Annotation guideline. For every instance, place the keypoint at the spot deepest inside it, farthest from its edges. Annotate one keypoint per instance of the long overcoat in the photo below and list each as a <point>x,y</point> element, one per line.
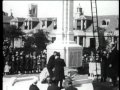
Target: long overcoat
<point>114,61</point>
<point>51,62</point>
<point>59,69</point>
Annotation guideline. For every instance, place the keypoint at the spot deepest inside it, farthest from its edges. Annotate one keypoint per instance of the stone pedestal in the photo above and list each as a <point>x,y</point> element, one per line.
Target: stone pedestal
<point>71,53</point>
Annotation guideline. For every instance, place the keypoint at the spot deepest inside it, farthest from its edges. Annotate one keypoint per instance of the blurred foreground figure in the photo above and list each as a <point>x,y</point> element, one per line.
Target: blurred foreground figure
<point>33,86</point>
<point>43,75</point>
<point>52,85</point>
<point>70,86</point>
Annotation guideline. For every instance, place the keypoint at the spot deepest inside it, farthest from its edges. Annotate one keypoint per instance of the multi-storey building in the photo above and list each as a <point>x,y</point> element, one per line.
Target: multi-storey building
<point>82,26</point>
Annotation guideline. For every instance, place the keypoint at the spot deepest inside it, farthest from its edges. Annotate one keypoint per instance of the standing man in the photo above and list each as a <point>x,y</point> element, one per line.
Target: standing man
<point>22,61</point>
<point>51,64</point>
<point>27,63</point>
<point>34,62</point>
<point>13,64</point>
<point>38,63</point>
<point>114,65</point>
<point>59,69</point>
<point>104,66</point>
<point>43,61</point>
<point>17,62</point>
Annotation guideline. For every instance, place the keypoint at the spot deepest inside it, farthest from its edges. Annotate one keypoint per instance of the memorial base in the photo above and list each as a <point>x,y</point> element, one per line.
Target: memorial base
<point>70,52</point>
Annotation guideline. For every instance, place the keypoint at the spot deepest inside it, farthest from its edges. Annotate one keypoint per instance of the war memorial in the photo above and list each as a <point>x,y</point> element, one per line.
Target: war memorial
<point>70,52</point>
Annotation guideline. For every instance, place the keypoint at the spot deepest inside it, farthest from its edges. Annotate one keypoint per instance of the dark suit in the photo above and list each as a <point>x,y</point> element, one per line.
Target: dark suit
<point>33,87</point>
<point>59,70</point>
<point>53,87</point>
<point>114,69</point>
<point>50,65</point>
<point>104,67</point>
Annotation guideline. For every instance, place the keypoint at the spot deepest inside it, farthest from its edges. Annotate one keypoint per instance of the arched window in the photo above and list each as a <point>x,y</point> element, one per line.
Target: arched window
<point>103,22</point>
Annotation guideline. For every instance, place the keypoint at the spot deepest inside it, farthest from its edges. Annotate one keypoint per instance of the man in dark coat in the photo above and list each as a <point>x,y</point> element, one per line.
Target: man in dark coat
<point>13,64</point>
<point>104,66</point>
<point>51,64</point>
<point>113,65</point>
<point>27,63</point>
<point>59,69</point>
<point>22,62</point>
<point>17,63</point>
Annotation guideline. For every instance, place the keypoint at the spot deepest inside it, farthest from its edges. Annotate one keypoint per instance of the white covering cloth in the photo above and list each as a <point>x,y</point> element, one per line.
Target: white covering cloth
<point>44,74</point>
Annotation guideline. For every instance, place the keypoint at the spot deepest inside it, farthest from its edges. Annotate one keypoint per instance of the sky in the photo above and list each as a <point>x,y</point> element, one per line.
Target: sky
<point>54,8</point>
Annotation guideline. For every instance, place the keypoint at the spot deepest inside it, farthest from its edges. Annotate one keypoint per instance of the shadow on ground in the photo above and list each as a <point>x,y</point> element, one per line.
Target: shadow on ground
<point>103,86</point>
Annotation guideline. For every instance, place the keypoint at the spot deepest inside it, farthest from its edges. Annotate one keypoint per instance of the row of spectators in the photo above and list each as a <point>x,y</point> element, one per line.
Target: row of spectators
<point>18,62</point>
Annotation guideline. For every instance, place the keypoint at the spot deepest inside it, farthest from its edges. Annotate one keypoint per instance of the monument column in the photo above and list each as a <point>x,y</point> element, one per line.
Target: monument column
<point>64,43</point>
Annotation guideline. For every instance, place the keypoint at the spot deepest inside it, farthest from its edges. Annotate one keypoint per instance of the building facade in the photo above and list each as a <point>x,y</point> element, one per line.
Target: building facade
<point>82,26</point>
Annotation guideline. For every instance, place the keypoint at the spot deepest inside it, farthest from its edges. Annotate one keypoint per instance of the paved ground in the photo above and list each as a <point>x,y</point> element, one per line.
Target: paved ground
<point>97,85</point>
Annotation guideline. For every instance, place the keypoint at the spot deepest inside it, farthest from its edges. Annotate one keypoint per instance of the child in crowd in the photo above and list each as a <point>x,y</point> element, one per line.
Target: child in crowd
<point>6,69</point>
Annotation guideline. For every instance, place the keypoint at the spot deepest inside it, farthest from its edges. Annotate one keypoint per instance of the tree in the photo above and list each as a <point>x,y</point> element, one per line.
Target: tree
<point>11,32</point>
<point>40,39</point>
<point>37,42</point>
<point>29,41</point>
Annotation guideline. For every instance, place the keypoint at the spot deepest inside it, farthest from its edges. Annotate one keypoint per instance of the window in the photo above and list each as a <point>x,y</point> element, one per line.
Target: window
<point>81,41</point>
<point>49,23</point>
<point>26,25</point>
<point>75,39</point>
<point>55,24</point>
<point>106,22</point>
<point>103,22</point>
<point>43,23</point>
<point>78,24</point>
<point>30,25</point>
<point>53,39</point>
<point>92,42</point>
<point>84,24</point>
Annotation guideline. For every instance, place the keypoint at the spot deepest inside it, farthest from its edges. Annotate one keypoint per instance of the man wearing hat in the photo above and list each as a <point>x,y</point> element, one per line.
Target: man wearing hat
<point>59,69</point>
<point>51,64</point>
<point>113,65</point>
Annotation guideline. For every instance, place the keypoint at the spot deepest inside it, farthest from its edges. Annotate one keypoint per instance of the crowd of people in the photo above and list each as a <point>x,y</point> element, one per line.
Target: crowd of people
<point>109,63</point>
<point>19,62</point>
